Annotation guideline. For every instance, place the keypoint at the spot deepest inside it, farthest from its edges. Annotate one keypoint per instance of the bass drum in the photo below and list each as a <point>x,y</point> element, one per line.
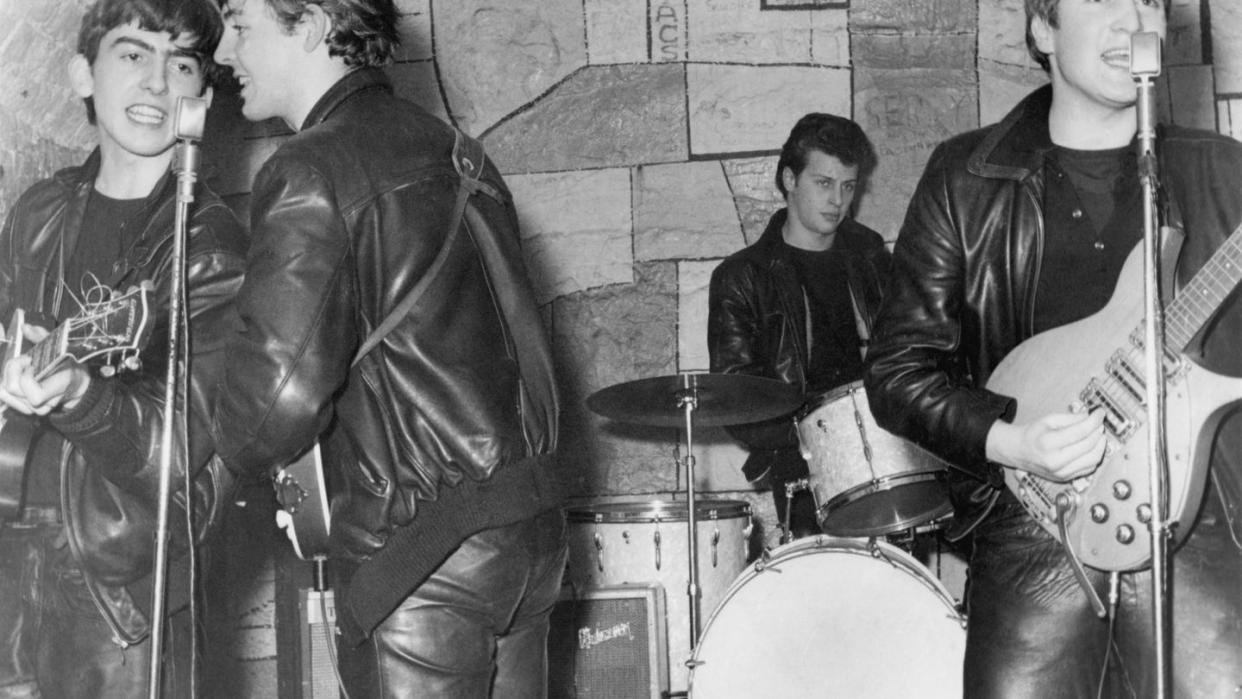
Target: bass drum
<point>828,617</point>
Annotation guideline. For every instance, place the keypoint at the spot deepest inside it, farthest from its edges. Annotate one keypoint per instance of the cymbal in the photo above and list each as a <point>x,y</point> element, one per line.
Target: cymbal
<point>719,399</point>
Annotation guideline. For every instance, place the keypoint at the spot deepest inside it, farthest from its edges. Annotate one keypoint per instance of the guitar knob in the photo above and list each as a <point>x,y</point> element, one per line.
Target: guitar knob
<point>1099,513</point>
<point>1122,490</point>
<point>1125,534</point>
<point>1144,513</point>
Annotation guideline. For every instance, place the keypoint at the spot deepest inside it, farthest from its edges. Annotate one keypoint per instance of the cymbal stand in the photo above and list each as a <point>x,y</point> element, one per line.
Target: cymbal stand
<point>688,401</point>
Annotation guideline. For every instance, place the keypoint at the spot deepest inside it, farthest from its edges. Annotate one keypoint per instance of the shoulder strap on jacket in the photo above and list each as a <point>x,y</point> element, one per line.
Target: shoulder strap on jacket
<point>468,160</point>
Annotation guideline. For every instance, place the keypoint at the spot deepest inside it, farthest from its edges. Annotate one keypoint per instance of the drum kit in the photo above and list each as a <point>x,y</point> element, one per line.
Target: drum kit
<point>820,616</point>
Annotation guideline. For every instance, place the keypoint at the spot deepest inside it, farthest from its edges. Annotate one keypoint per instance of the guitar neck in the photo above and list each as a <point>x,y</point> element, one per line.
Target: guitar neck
<point>48,353</point>
<point>1204,294</point>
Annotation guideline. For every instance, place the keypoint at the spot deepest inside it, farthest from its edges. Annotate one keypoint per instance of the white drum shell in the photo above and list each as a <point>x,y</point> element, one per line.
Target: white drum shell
<point>829,617</point>
<point>866,480</point>
<point>627,552</point>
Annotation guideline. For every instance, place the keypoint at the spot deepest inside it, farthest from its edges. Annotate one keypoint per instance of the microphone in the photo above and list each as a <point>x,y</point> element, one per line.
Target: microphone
<point>1145,68</point>
<point>188,125</point>
<point>190,119</point>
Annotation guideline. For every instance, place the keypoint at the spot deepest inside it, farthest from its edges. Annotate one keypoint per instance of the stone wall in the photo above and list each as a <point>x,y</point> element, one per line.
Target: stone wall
<point>639,139</point>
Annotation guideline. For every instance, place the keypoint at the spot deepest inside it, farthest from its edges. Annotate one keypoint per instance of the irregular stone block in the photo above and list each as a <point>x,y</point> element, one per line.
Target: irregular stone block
<point>576,229</point>
<point>1229,117</point>
<point>683,210</point>
<point>914,106</point>
<point>906,113</point>
<point>753,183</point>
<point>739,31</point>
<point>1227,45</point>
<point>923,51</point>
<point>747,109</point>
<point>616,31</point>
<point>1002,33</point>
<point>667,30</point>
<point>914,16</point>
<point>693,279</point>
<point>603,337</point>
<point>1001,87</point>
<point>892,185</point>
<point>604,116</point>
<point>529,47</point>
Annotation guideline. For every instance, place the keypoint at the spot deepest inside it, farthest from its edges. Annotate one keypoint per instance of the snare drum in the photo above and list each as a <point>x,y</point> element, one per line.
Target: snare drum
<point>827,617</point>
<point>629,542</point>
<point>866,480</point>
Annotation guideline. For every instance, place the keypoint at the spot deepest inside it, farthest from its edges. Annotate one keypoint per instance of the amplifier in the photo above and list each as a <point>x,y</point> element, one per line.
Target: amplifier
<point>609,642</point>
<point>316,641</point>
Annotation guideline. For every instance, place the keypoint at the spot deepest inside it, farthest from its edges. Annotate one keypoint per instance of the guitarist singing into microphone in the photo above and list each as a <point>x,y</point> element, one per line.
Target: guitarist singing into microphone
<point>1026,228</point>
<point>77,548</point>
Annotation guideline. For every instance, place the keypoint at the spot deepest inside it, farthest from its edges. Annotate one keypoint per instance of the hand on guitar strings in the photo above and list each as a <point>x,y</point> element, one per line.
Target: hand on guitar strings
<point>1058,447</point>
<point>60,389</point>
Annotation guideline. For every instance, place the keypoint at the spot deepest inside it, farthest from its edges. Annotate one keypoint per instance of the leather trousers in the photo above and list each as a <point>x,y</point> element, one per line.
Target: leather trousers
<point>54,642</point>
<point>478,627</point>
<point>1031,631</point>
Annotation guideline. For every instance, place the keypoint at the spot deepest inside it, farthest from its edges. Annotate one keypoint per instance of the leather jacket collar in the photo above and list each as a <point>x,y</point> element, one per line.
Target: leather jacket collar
<point>353,82</point>
<point>1016,148</point>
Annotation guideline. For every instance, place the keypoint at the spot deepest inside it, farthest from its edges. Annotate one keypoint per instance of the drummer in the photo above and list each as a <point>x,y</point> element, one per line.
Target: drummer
<point>798,304</point>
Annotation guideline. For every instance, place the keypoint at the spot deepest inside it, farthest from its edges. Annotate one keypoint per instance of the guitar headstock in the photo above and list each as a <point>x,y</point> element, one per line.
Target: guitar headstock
<point>116,327</point>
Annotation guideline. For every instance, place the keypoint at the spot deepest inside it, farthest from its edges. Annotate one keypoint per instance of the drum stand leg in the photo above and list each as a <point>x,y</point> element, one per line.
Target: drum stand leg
<point>792,487</point>
<point>688,400</point>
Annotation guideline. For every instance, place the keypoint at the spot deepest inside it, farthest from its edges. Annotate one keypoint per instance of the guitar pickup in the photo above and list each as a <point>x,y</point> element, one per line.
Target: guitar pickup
<point>1120,368</point>
<point>1116,419</point>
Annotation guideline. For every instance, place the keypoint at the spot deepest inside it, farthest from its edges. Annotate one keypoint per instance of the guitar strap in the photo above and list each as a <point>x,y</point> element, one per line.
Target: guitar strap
<point>468,159</point>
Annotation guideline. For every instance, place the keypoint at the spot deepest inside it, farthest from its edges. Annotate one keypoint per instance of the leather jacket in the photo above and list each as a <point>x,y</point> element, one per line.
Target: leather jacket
<point>110,442</point>
<point>966,267</point>
<point>756,325</point>
<point>347,216</point>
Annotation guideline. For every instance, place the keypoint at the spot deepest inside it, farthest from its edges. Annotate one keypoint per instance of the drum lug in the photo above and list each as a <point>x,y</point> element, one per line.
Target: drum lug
<point>715,544</point>
<point>656,538</point>
<point>599,551</point>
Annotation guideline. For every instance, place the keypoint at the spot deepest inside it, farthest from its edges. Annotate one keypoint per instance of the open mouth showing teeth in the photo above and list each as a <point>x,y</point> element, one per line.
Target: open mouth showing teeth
<point>1117,59</point>
<point>145,114</point>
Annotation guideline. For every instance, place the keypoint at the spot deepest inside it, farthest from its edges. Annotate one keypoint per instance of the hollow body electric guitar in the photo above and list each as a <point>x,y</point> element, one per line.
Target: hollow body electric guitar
<point>1098,363</point>
<point>115,328</point>
<point>304,511</point>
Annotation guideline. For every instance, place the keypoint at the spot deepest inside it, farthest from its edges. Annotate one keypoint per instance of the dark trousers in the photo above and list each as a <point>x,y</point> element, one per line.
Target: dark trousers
<point>1031,631</point>
<point>478,627</point>
<point>54,641</point>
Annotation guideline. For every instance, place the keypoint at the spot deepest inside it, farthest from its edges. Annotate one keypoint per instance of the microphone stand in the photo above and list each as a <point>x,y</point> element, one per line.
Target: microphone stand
<point>1145,67</point>
<point>189,122</point>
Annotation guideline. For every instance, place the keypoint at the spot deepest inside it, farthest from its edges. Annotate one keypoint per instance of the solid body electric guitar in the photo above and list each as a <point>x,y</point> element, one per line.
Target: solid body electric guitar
<point>1098,363</point>
<point>117,327</point>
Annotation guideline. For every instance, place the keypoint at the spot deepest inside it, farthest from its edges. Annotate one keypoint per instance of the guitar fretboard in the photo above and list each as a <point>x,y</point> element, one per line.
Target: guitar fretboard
<point>1204,294</point>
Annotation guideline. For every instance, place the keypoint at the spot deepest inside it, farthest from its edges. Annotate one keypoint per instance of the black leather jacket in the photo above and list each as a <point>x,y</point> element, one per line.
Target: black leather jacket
<point>347,216</point>
<point>962,296</point>
<point>110,456</point>
<point>756,325</point>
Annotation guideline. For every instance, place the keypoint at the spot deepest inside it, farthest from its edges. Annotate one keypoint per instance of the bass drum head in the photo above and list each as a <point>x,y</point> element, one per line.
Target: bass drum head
<point>827,617</point>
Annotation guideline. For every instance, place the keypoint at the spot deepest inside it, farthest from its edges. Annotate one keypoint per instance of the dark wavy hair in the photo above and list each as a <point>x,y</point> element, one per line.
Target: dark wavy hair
<point>1047,11</point>
<point>836,136</point>
<point>197,19</point>
<point>364,32</point>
